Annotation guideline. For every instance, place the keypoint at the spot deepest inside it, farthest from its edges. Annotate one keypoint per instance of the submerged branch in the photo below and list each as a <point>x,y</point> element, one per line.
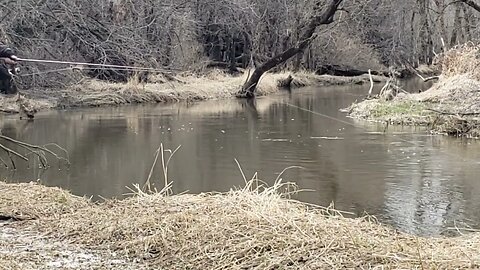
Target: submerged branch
<point>36,150</point>
<point>10,151</point>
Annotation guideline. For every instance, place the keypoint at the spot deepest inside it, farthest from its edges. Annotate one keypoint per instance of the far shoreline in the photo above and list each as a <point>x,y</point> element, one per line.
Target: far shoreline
<point>214,85</point>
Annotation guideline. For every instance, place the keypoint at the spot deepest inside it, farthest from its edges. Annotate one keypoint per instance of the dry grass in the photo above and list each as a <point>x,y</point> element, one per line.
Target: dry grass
<point>398,111</point>
<point>250,228</point>
<point>36,203</point>
<point>462,59</point>
<point>459,126</point>
<point>214,85</point>
<point>462,91</point>
<point>13,104</point>
<point>98,93</point>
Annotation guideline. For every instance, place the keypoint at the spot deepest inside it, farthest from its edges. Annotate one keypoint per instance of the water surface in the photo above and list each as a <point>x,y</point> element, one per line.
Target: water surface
<point>416,182</point>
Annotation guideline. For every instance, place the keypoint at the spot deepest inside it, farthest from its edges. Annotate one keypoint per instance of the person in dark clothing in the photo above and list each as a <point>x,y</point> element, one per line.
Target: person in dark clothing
<point>8,60</point>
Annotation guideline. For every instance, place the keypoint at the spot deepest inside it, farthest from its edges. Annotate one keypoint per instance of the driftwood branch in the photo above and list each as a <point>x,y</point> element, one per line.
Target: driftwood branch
<point>428,78</point>
<point>390,90</point>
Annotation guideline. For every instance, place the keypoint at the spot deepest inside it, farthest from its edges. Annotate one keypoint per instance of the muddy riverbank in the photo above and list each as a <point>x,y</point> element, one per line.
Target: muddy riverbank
<point>245,228</point>
<point>215,85</point>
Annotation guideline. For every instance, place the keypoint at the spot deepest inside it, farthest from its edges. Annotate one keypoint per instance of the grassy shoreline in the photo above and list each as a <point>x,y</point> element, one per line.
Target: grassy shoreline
<point>214,85</point>
<point>251,228</point>
<point>451,106</point>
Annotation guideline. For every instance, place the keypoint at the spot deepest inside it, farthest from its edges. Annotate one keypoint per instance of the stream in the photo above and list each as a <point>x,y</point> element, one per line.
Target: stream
<point>417,182</point>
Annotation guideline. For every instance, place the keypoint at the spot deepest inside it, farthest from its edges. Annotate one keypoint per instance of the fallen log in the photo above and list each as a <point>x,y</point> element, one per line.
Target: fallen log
<point>336,70</point>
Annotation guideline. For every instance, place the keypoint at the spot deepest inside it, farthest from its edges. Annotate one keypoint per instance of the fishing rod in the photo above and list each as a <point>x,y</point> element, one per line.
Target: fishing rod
<point>27,60</point>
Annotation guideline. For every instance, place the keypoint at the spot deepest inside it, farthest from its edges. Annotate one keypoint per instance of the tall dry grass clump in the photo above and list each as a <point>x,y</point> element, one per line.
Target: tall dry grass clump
<point>457,91</point>
<point>462,59</point>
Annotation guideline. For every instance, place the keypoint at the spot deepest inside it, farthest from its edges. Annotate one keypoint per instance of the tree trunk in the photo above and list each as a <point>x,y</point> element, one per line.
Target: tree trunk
<point>413,38</point>
<point>318,18</point>
<point>441,19</point>
<point>233,60</point>
<point>247,54</point>
<point>457,25</point>
<point>425,36</point>
<point>467,16</point>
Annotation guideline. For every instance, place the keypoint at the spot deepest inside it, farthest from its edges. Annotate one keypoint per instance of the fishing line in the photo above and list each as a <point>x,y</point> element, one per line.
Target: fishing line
<point>43,72</point>
<point>74,69</point>
<point>319,114</point>
<point>42,61</point>
<point>340,121</point>
<point>365,129</point>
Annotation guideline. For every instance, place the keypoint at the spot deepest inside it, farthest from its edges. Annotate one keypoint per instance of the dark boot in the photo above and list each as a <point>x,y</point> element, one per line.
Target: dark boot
<point>7,84</point>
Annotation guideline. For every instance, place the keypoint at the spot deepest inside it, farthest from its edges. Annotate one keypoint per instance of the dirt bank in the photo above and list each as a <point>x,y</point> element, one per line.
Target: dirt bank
<point>242,229</point>
<point>215,85</point>
<point>451,106</point>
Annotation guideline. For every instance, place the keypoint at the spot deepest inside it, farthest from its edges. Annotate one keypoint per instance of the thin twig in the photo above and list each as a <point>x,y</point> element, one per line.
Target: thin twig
<point>12,161</point>
<point>4,163</point>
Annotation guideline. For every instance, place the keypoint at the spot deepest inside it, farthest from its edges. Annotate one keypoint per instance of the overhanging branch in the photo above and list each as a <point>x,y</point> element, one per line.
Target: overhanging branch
<point>318,18</point>
<point>38,151</point>
<point>472,4</point>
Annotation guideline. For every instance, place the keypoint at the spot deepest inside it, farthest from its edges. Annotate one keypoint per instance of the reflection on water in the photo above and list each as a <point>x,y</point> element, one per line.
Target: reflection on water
<point>418,183</point>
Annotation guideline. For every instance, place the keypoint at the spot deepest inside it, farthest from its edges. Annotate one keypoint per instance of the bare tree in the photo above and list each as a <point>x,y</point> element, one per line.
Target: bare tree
<point>231,34</point>
<point>308,30</point>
